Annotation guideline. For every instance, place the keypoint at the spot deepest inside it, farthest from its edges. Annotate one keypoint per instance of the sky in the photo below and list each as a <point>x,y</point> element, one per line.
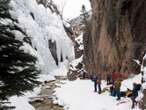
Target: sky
<point>72,8</point>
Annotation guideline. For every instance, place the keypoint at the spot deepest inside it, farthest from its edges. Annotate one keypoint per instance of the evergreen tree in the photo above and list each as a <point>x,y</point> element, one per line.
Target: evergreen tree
<point>18,70</point>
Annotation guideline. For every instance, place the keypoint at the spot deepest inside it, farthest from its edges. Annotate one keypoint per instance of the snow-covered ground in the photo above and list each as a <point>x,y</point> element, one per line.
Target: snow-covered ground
<point>22,102</point>
<point>79,95</point>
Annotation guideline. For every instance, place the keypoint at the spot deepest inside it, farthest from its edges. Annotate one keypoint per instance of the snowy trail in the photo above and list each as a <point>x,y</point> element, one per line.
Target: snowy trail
<point>79,95</point>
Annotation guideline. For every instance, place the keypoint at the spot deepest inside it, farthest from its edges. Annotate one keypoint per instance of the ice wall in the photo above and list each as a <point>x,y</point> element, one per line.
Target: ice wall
<point>41,25</point>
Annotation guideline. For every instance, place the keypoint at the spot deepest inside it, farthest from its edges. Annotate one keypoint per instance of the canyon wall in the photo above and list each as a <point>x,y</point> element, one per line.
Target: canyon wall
<point>115,36</point>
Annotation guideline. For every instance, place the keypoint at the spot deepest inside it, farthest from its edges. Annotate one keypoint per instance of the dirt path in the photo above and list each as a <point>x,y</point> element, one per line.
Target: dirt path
<point>44,101</point>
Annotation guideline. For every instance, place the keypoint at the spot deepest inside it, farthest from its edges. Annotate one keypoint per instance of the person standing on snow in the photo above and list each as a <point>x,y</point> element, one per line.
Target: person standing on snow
<point>108,79</point>
<point>99,83</point>
<point>117,86</point>
<point>136,88</point>
<point>94,79</point>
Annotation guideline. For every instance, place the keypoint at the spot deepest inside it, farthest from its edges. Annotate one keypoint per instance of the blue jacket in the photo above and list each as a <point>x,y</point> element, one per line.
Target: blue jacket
<point>94,77</point>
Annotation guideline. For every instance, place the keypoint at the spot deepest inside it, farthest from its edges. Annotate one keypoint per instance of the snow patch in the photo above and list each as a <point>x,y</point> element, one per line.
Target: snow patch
<point>79,40</point>
<point>28,49</point>
<point>22,102</point>
<point>75,62</point>
<point>128,83</point>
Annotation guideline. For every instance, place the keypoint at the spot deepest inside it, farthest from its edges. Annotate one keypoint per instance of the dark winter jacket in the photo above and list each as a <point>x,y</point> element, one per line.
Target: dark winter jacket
<point>135,90</point>
<point>94,77</point>
<point>108,77</point>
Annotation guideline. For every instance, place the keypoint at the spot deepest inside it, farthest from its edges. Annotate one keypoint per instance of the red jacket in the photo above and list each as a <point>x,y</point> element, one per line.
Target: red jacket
<point>116,75</point>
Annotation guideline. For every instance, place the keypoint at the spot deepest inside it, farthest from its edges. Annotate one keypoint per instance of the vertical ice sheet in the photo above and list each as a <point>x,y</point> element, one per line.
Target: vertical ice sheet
<point>41,26</point>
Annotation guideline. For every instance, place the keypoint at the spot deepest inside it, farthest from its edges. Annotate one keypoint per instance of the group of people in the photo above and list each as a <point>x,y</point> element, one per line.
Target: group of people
<point>114,81</point>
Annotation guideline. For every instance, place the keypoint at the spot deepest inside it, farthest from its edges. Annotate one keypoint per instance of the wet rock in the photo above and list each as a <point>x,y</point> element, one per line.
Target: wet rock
<point>44,101</point>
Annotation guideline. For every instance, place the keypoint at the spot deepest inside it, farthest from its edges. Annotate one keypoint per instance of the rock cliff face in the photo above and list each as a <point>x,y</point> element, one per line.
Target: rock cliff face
<point>115,36</point>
